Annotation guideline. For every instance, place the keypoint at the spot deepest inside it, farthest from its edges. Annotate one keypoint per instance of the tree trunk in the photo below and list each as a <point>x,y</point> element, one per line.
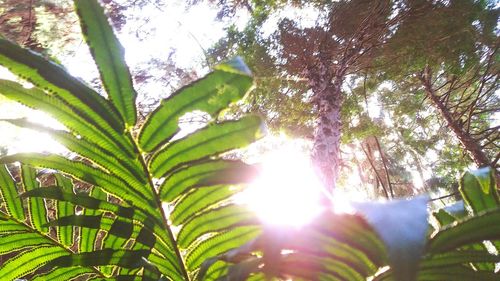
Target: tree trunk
<point>328,100</point>
<point>470,144</point>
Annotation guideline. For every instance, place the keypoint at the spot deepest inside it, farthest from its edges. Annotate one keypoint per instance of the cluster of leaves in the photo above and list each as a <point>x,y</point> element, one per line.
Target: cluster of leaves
<point>453,38</point>
<point>119,228</point>
<point>360,246</point>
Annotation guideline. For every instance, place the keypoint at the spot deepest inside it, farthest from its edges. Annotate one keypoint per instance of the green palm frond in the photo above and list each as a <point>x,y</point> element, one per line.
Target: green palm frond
<point>102,211</point>
<point>210,94</point>
<point>456,251</point>
<point>109,57</point>
<point>347,247</point>
<point>334,247</point>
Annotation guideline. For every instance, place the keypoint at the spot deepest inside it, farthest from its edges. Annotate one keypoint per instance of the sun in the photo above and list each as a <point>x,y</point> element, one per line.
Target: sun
<point>287,191</point>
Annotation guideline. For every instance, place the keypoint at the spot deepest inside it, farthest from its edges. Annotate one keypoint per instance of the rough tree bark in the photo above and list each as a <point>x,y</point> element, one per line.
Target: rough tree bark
<point>324,56</point>
<point>325,153</point>
<point>18,21</point>
<point>327,74</point>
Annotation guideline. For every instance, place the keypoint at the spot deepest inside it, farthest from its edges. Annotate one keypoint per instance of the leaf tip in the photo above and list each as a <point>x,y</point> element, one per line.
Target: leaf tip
<point>235,65</point>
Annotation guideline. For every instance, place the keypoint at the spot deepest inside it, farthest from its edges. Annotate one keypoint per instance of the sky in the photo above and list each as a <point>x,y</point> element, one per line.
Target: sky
<point>163,29</point>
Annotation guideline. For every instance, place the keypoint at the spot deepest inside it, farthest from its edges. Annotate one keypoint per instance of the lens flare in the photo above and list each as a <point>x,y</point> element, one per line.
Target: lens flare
<point>287,192</point>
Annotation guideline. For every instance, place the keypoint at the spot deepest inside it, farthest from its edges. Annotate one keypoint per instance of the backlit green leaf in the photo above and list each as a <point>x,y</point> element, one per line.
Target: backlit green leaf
<point>54,79</point>
<point>458,257</point>
<point>471,230</point>
<point>109,57</point>
<point>36,206</point>
<point>127,169</point>
<point>123,258</point>
<point>65,113</point>
<point>215,172</point>
<point>479,190</point>
<point>18,241</point>
<point>220,243</point>
<point>88,236</point>
<point>65,233</point>
<point>210,94</point>
<point>210,141</point>
<point>86,173</point>
<point>9,194</point>
<point>213,220</point>
<point>30,261</point>
<point>63,273</point>
<point>198,200</point>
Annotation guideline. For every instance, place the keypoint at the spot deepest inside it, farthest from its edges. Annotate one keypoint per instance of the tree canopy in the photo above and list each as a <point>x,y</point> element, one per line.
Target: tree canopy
<point>381,50</point>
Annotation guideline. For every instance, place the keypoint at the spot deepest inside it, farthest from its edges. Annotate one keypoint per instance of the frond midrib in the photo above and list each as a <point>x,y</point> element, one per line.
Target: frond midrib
<point>164,219</point>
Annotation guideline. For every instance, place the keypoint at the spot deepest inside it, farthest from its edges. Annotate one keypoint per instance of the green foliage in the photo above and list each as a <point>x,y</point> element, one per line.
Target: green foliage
<point>440,34</point>
<point>455,38</point>
<point>444,54</point>
<point>110,194</point>
<point>210,94</point>
<point>356,247</point>
<point>108,55</point>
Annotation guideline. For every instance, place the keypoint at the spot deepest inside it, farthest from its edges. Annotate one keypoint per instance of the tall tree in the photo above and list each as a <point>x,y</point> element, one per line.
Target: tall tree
<point>455,65</point>
<point>466,104</point>
<point>341,43</point>
<point>325,57</point>
<point>350,39</point>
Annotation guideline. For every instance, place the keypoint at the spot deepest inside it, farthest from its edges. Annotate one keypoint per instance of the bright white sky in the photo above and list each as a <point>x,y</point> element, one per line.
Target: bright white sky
<point>188,32</point>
